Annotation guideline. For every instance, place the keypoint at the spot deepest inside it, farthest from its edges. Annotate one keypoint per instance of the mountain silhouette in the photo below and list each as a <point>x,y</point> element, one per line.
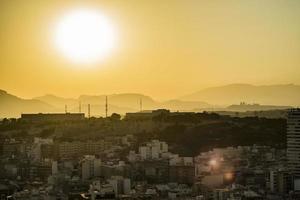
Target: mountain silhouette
<point>184,105</point>
<point>217,98</point>
<point>120,103</point>
<point>288,95</point>
<point>56,101</point>
<point>12,106</point>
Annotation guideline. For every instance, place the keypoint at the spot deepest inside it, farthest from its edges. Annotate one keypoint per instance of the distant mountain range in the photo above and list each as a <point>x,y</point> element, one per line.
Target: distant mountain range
<point>120,103</point>
<point>13,106</point>
<point>254,107</point>
<point>232,94</point>
<point>270,97</point>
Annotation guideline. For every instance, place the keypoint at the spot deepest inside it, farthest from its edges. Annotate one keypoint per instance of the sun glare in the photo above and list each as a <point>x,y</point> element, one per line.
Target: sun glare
<point>84,36</point>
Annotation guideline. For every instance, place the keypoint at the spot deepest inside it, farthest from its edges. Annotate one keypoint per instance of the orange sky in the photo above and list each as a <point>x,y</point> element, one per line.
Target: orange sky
<point>165,49</point>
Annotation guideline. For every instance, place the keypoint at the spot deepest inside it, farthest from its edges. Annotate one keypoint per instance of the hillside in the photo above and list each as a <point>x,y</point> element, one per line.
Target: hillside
<point>272,97</point>
<point>12,106</point>
<point>57,101</point>
<point>120,103</point>
<point>127,100</point>
<point>254,107</point>
<point>288,95</point>
<point>175,105</point>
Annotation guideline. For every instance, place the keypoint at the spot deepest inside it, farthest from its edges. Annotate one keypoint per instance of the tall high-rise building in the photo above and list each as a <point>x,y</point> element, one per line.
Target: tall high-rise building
<point>90,167</point>
<point>293,145</point>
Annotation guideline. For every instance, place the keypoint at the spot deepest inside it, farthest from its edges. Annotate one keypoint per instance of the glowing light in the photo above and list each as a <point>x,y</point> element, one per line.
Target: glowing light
<point>85,36</point>
<point>213,162</point>
<point>228,176</point>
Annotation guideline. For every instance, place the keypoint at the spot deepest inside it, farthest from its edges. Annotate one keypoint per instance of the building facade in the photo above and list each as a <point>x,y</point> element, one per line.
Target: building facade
<point>293,145</point>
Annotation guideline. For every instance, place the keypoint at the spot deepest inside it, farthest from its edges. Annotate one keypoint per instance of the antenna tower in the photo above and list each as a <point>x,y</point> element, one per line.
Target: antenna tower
<point>141,104</point>
<point>106,106</point>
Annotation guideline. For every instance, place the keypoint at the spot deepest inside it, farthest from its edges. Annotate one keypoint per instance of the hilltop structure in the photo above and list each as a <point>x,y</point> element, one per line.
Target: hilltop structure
<point>40,117</point>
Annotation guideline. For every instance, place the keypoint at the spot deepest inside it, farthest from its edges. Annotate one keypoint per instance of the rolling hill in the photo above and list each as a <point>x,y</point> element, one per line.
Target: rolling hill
<point>269,97</point>
<point>13,106</point>
<point>288,95</point>
<point>120,103</point>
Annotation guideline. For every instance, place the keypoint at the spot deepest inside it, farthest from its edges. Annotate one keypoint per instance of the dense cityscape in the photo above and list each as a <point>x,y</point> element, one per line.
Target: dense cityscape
<point>149,99</point>
<point>68,156</point>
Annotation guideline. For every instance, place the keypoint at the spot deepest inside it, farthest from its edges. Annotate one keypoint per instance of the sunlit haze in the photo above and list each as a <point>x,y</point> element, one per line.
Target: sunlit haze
<point>164,49</point>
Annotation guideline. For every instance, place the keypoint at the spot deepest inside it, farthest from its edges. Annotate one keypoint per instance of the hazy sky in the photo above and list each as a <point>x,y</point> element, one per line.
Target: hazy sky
<point>165,48</point>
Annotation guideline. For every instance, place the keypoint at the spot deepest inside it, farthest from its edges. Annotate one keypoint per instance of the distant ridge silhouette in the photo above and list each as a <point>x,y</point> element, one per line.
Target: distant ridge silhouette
<point>288,94</point>
<point>13,106</point>
<point>268,96</point>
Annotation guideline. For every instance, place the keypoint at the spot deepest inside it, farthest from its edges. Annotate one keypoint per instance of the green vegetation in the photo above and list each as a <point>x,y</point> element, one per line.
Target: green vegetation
<point>190,140</point>
<point>186,133</point>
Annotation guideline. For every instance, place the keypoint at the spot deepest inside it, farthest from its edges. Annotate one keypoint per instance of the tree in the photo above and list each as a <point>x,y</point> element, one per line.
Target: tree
<point>115,117</point>
<point>5,121</point>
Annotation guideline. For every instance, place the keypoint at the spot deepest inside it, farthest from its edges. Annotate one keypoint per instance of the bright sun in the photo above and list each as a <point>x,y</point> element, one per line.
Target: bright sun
<point>84,36</point>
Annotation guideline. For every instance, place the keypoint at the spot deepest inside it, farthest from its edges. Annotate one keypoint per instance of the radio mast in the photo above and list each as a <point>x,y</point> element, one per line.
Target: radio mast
<point>106,106</point>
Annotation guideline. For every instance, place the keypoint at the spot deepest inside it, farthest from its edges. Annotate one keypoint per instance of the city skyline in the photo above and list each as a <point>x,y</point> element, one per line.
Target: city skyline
<point>145,99</point>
